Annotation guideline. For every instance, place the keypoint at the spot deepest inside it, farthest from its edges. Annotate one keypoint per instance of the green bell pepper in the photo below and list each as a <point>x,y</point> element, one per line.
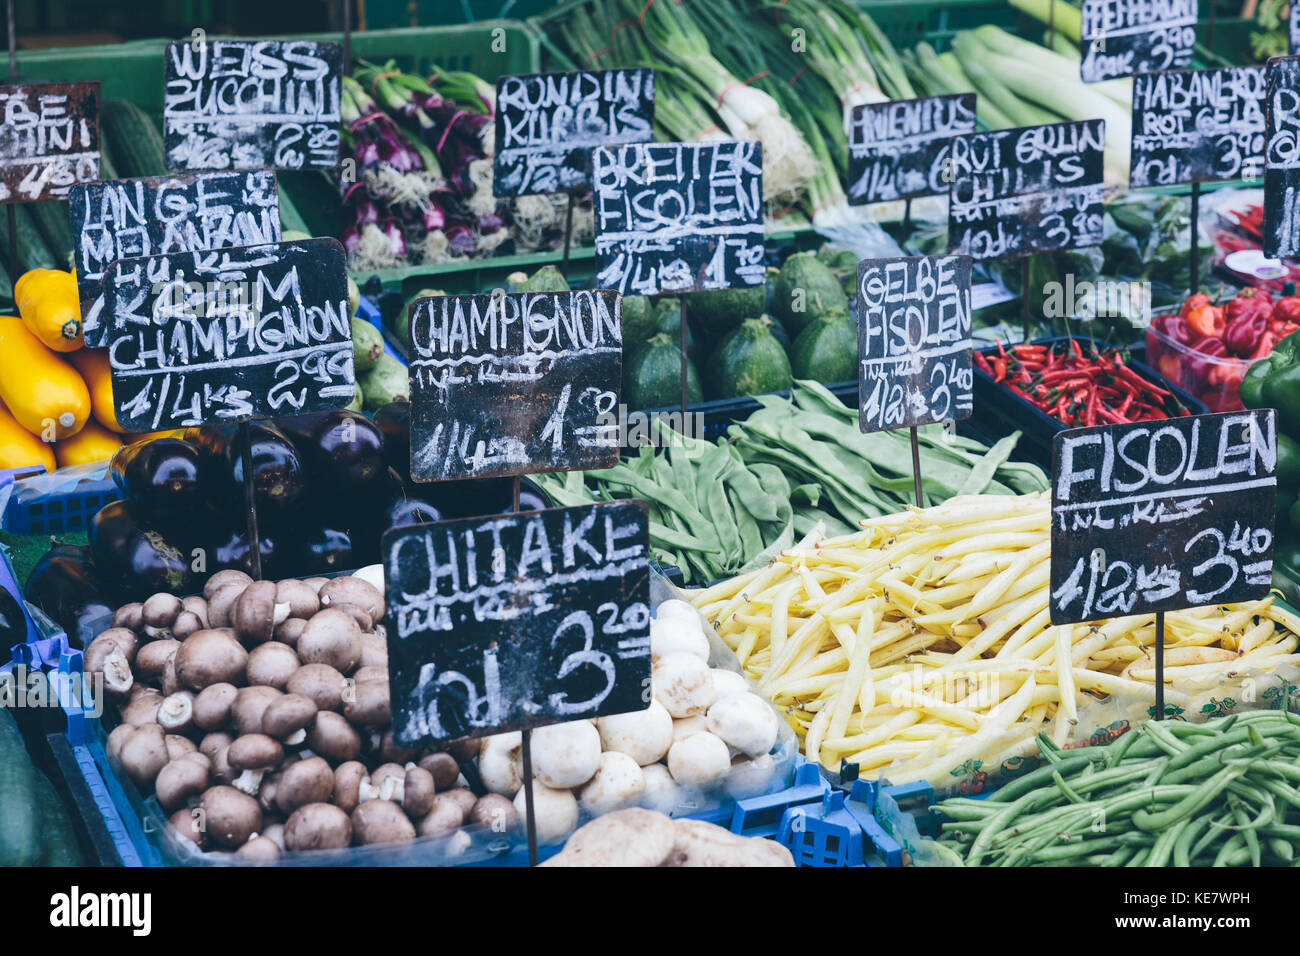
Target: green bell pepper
<point>1274,382</point>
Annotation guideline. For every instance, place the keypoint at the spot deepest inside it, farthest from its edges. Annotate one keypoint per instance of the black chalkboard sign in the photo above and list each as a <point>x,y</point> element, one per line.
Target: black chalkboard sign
<point>192,212</point>
<point>49,139</point>
<point>678,217</point>
<point>1282,159</point>
<point>1127,37</point>
<point>510,384</point>
<point>899,149</point>
<point>1196,126</point>
<point>245,104</point>
<point>1156,516</point>
<point>229,334</point>
<point>547,124</point>
<point>516,621</point>
<point>914,363</point>
<point>1033,189</point>
<point>1293,35</point>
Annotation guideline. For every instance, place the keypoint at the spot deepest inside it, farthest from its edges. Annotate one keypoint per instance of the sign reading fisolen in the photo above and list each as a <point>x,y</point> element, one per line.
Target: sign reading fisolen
<point>914,323</point>
<point>49,139</point>
<point>194,212</point>
<point>1282,159</point>
<point>548,123</point>
<point>1126,37</point>
<point>1033,189</point>
<point>520,620</point>
<point>899,149</point>
<point>1195,126</point>
<point>678,217</point>
<point>246,104</point>
<point>229,334</point>
<point>510,384</point>
<point>1156,516</point>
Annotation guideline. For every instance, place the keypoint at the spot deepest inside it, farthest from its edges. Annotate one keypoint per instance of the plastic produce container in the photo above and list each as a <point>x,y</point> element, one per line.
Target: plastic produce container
<point>1213,379</point>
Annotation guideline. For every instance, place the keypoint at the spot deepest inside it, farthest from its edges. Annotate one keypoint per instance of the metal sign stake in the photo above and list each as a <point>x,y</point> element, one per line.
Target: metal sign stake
<point>1193,257</point>
<point>568,233</point>
<point>916,468</point>
<point>1024,298</point>
<point>1160,665</point>
<point>685,393</point>
<point>530,815</point>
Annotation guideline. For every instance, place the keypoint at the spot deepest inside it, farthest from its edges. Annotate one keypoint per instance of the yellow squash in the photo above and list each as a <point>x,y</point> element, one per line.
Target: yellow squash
<point>47,301</point>
<point>43,392</point>
<point>93,443</point>
<point>19,448</point>
<point>93,366</point>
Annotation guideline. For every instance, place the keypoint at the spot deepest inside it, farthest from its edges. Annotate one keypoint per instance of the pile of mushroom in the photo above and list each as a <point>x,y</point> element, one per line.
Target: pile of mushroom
<point>259,716</point>
<point>703,731</point>
<point>638,837</point>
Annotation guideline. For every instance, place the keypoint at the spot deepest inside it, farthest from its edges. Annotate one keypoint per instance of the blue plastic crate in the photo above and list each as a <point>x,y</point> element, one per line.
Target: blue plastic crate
<point>30,511</point>
<point>843,830</point>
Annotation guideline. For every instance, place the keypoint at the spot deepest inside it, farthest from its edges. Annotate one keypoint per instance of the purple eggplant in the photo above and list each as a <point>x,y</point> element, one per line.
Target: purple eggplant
<point>65,585</point>
<point>230,549</point>
<point>133,558</point>
<point>278,477</point>
<point>342,451</point>
<point>160,476</point>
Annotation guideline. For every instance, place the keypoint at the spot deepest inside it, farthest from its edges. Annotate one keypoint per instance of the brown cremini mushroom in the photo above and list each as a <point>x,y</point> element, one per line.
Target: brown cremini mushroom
<point>144,754</point>
<point>141,706</point>
<point>290,631</point>
<point>353,590</point>
<point>381,821</point>
<point>418,791</point>
<point>250,703</point>
<point>303,782</point>
<point>129,616</point>
<point>331,637</point>
<point>256,613</point>
<point>229,577</point>
<point>332,737</point>
<point>272,664</point>
<point>286,718</point>
<point>348,777</point>
<point>185,823</point>
<point>323,684</point>
<point>151,659</point>
<point>230,817</point>
<point>444,768</point>
<point>211,656</point>
<point>317,826</point>
<point>181,779</point>
<point>213,704</point>
<point>302,599</point>
<point>368,705</point>
<point>176,712</point>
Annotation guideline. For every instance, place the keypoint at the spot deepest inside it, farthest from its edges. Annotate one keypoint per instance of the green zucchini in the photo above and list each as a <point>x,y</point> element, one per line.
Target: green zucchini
<point>59,846</point>
<point>133,139</point>
<point>20,815</point>
<point>52,219</point>
<point>32,252</point>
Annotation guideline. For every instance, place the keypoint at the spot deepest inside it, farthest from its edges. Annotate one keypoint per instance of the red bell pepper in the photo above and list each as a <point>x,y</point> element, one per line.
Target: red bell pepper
<point>1244,333</point>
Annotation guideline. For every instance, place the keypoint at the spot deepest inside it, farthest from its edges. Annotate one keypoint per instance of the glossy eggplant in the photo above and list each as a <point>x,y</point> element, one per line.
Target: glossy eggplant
<point>394,420</point>
<point>231,549</point>
<point>133,558</point>
<point>320,549</point>
<point>13,622</point>
<point>64,584</point>
<point>279,480</point>
<point>160,476</point>
<point>343,451</point>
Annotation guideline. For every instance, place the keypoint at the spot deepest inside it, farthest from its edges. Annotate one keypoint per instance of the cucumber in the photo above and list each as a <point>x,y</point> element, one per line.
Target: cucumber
<point>133,139</point>
<point>59,846</point>
<point>20,814</point>
<point>55,225</point>
<point>32,253</point>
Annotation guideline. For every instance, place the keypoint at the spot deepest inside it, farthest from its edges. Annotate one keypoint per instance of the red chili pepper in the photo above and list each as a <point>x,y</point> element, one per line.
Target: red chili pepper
<point>983,363</point>
<point>999,368</point>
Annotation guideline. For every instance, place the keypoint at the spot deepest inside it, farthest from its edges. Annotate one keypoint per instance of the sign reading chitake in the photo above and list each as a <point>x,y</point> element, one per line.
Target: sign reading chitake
<point>1033,189</point>
<point>1196,126</point>
<point>510,384</point>
<point>49,139</point>
<point>193,212</point>
<point>547,124</point>
<point>1282,159</point>
<point>914,362</point>
<point>246,104</point>
<point>899,149</point>
<point>1127,37</point>
<point>519,620</point>
<point>678,217</point>
<point>229,334</point>
<point>1157,516</point>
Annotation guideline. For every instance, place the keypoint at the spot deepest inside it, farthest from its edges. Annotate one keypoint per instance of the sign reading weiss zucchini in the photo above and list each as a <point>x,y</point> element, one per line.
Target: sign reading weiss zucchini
<point>516,621</point>
<point>509,384</point>
<point>132,218</point>
<point>49,139</point>
<point>245,104</point>
<point>547,124</point>
<point>229,334</point>
<point>1156,516</point>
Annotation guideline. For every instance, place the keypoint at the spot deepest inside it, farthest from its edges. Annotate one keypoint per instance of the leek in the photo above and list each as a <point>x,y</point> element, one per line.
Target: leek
<point>991,87</point>
<point>1068,19</point>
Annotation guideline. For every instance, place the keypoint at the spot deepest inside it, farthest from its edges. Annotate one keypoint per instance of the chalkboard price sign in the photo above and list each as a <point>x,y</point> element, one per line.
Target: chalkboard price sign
<point>548,123</point>
<point>1156,516</point>
<point>194,212</point>
<point>899,149</point>
<point>49,139</point>
<point>1282,159</point>
<point>229,334</point>
<point>517,621</point>
<point>1126,37</point>
<point>914,363</point>
<point>245,104</point>
<point>1293,35</point>
<point>678,217</point>
<point>1033,189</point>
<point>1195,126</point>
<point>509,384</point>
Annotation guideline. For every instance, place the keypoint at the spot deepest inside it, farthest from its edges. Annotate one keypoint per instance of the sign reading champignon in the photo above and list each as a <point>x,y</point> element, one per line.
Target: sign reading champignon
<point>248,104</point>
<point>516,621</point>
<point>1157,516</point>
<point>547,124</point>
<point>229,334</point>
<point>49,139</point>
<point>194,212</point>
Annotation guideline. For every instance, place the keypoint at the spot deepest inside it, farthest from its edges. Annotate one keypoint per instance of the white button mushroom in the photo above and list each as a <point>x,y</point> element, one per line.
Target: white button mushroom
<point>700,760</point>
<point>676,636</point>
<point>500,763</point>
<point>555,811</point>
<point>683,684</point>
<point>744,721</point>
<point>726,683</point>
<point>644,735</point>
<point>750,777</point>
<point>566,755</point>
<point>661,791</point>
<point>686,726</point>
<point>618,783</point>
